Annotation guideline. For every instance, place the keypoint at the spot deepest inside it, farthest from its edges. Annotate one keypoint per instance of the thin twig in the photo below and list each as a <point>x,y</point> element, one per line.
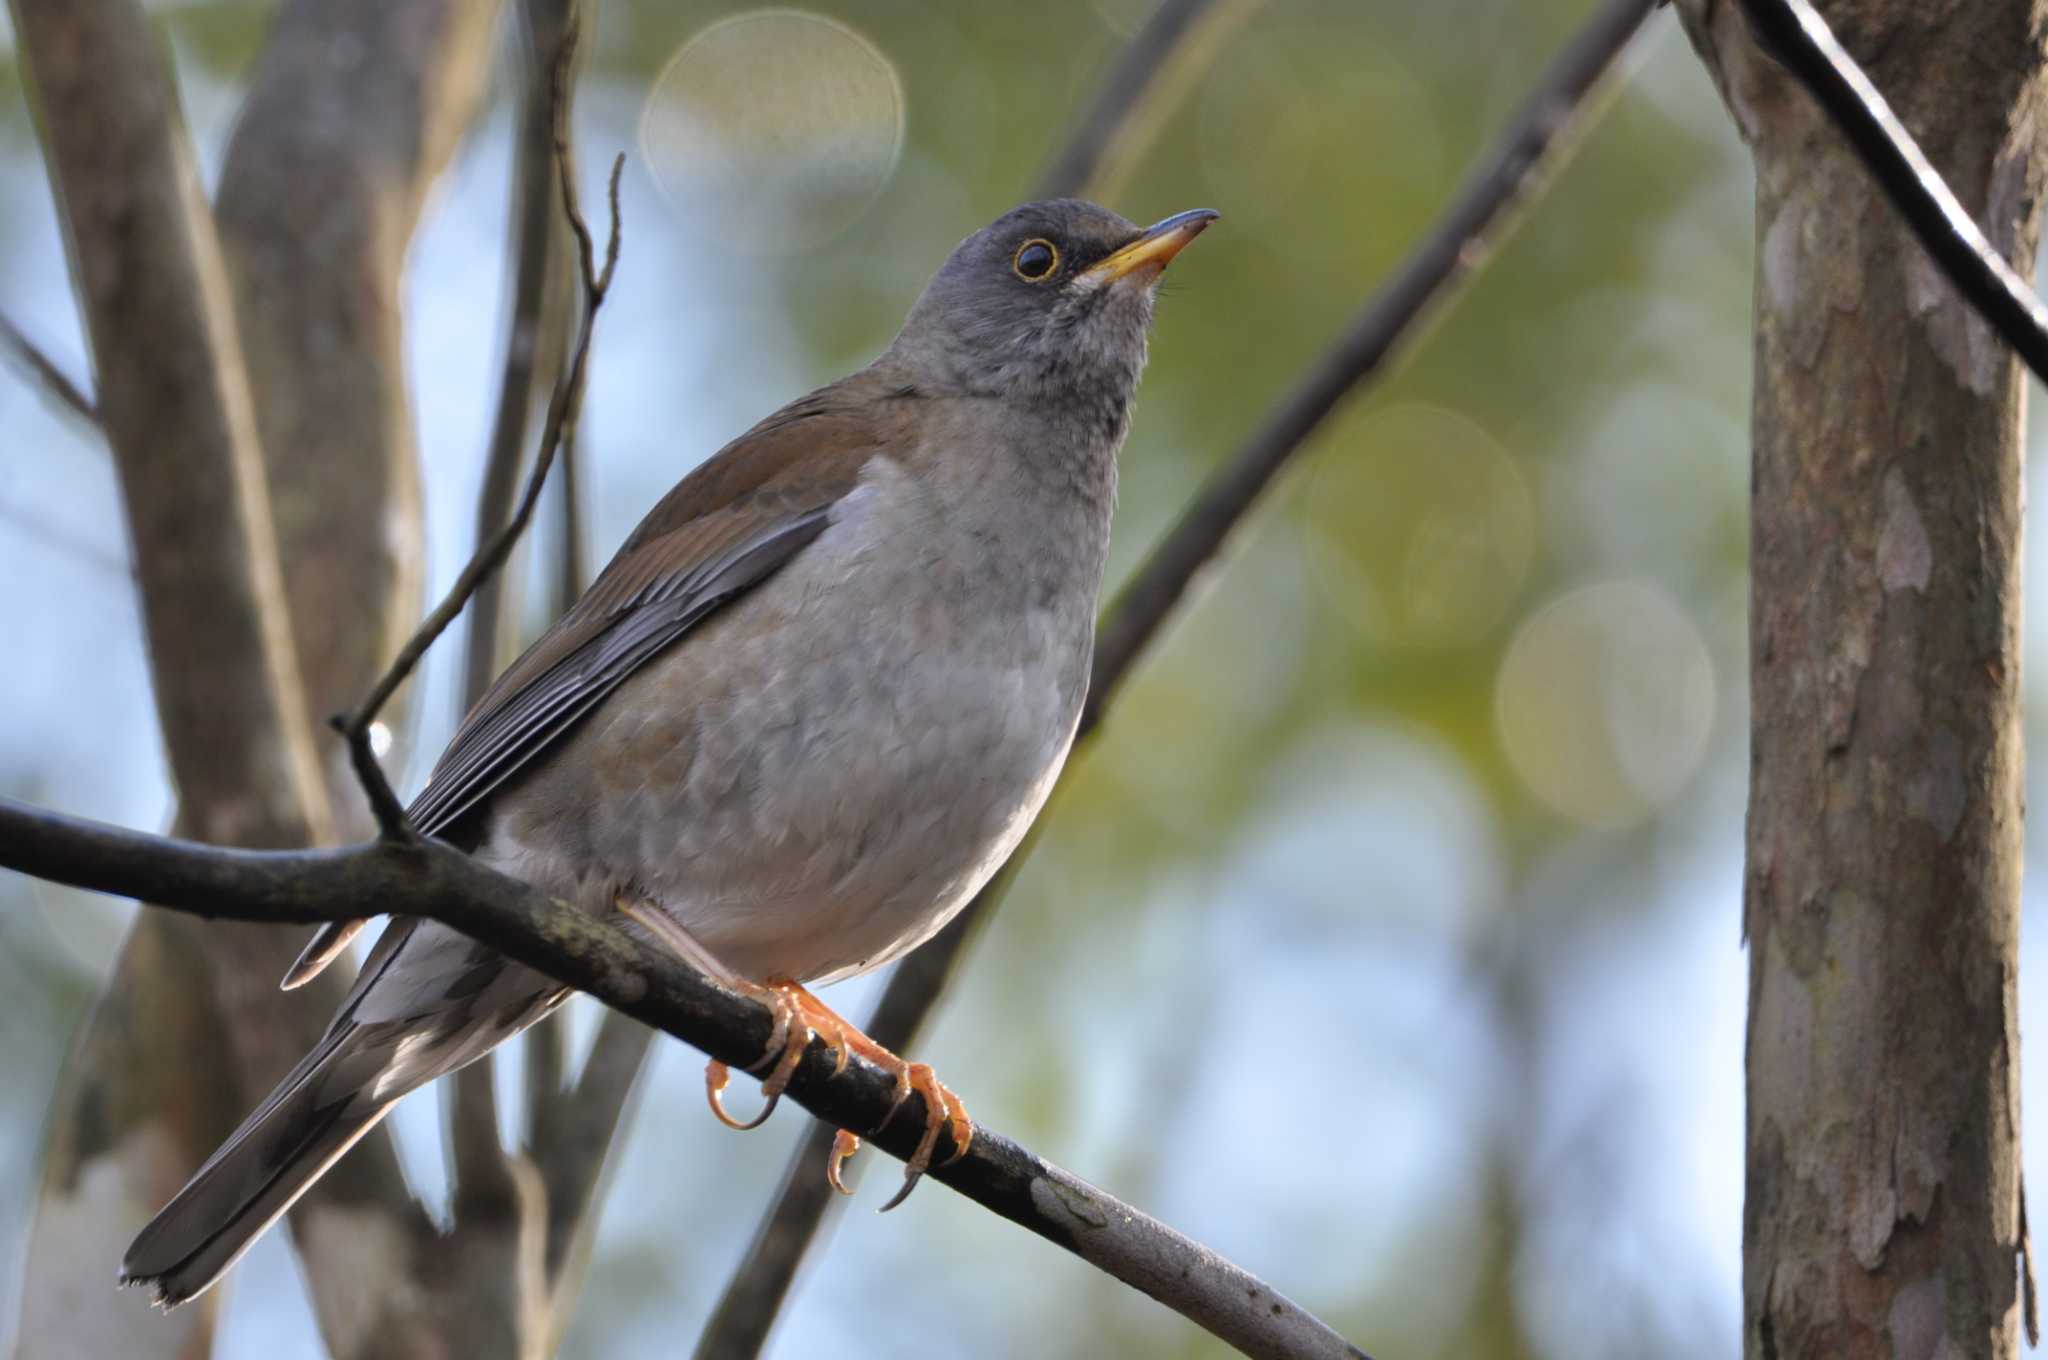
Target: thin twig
<point>572,572</point>
<point>1794,33</point>
<point>563,407</point>
<point>485,1185</point>
<point>1455,248</point>
<point>53,380</point>
<point>433,880</point>
<point>534,234</point>
<point>573,1141</point>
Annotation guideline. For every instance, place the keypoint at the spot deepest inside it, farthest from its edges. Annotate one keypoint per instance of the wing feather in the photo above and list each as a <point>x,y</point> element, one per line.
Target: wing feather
<point>724,529</point>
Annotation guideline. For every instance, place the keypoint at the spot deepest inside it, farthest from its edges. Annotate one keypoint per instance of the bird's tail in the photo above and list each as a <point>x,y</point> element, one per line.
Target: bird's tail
<point>279,1151</point>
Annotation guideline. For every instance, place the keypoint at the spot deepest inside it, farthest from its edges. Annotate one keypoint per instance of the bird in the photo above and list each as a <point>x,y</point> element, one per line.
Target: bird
<point>801,717</point>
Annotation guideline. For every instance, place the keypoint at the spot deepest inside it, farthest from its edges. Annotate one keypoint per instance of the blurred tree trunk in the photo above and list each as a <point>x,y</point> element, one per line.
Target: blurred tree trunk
<point>260,420</point>
<point>1881,898</point>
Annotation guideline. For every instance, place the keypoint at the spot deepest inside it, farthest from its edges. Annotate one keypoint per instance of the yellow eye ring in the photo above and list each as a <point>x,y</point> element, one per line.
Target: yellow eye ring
<point>1036,260</point>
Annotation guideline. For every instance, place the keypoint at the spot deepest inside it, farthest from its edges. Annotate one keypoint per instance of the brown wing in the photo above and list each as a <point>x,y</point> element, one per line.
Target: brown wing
<point>725,528</point>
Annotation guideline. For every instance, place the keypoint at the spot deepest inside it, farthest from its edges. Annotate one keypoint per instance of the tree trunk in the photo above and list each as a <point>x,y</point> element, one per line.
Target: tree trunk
<point>1881,898</point>
<point>270,485</point>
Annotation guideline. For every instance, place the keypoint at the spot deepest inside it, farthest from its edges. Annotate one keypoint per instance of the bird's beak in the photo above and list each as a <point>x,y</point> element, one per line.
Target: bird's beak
<point>1156,245</point>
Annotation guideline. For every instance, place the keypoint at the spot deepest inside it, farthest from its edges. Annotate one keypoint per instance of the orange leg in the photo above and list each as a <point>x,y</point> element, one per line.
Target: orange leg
<point>799,1017</point>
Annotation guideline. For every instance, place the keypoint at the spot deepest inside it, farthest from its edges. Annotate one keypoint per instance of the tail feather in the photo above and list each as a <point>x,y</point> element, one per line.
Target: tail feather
<point>427,1001</point>
<point>277,1153</point>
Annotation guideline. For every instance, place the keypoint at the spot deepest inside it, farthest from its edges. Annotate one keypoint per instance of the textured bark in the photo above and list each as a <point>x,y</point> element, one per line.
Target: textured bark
<point>355,107</point>
<point>1881,899</point>
<point>133,1119</point>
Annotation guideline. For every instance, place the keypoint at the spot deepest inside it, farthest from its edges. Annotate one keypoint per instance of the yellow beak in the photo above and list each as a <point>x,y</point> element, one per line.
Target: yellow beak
<point>1156,245</point>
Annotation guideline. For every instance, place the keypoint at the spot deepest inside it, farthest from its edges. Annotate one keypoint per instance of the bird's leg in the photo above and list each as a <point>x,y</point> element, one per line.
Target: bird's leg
<point>786,1042</point>
<point>798,1017</point>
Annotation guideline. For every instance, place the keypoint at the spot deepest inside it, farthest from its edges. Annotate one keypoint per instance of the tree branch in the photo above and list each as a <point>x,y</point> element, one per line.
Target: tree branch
<point>572,1142</point>
<point>1795,34</point>
<point>535,241</point>
<point>1176,42</point>
<point>484,1180</point>
<point>52,380</point>
<point>562,411</point>
<point>429,879</point>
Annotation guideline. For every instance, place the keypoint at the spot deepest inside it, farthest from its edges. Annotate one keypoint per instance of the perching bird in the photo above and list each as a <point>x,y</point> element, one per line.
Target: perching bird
<point>803,715</point>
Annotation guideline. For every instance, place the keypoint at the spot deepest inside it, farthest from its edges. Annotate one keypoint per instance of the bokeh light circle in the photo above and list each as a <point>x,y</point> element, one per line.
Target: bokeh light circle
<point>1604,702</point>
<point>1421,527</point>
<point>772,131</point>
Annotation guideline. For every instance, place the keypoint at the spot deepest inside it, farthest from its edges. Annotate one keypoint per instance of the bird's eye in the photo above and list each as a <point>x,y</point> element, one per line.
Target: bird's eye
<point>1036,260</point>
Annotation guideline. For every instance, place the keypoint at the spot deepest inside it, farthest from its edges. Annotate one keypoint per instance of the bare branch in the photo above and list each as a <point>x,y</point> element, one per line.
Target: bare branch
<point>536,232</point>
<point>759,1285</point>
<point>1795,34</point>
<point>49,377</point>
<point>1145,84</point>
<point>483,1177</point>
<point>572,1142</point>
<point>430,879</point>
<point>1455,248</point>
<point>562,410</point>
<point>353,111</point>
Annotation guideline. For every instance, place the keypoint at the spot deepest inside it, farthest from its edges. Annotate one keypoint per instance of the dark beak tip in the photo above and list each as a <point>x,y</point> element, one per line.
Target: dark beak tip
<point>1193,222</point>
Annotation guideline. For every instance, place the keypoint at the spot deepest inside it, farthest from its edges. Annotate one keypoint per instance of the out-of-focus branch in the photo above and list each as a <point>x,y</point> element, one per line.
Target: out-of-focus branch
<point>1144,85</point>
<point>54,382</point>
<point>134,1118</point>
<point>427,878</point>
<point>500,1209</point>
<point>562,411</point>
<point>477,1159</point>
<point>1795,34</point>
<point>353,112</point>
<point>1454,249</point>
<point>573,1135</point>
<point>537,255</point>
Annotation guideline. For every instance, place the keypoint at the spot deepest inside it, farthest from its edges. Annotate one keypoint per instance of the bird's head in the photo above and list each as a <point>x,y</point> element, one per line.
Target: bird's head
<point>1050,302</point>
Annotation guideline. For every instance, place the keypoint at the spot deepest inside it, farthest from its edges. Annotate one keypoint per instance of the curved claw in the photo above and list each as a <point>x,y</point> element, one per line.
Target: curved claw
<point>943,1110</point>
<point>716,1075</point>
<point>844,1145</point>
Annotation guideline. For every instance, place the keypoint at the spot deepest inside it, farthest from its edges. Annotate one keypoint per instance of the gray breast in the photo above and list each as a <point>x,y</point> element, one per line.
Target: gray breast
<point>816,779</point>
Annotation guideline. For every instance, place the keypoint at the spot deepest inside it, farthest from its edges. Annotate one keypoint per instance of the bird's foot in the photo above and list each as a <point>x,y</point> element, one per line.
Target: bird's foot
<point>799,1017</point>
